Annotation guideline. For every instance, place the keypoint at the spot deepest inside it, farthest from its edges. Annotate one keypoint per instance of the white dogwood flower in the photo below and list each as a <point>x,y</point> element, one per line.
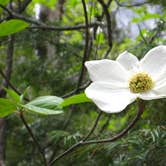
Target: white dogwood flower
<point>118,83</point>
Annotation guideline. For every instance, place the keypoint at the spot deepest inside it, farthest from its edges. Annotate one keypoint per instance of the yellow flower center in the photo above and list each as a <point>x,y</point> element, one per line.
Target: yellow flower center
<point>140,82</point>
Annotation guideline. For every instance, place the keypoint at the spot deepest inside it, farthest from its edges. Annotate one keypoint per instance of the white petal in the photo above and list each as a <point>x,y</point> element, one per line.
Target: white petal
<point>109,98</point>
<point>128,60</point>
<point>159,91</point>
<point>154,61</point>
<point>107,70</point>
<point>151,95</point>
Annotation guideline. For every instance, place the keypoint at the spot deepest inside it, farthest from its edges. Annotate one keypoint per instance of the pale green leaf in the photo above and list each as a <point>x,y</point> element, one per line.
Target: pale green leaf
<point>40,110</point>
<point>46,105</point>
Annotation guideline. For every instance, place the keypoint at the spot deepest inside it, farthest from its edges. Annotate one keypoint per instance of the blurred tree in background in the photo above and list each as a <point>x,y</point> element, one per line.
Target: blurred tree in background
<point>47,58</point>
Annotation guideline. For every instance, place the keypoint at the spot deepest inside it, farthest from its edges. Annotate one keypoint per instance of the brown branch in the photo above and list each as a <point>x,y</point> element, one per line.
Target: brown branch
<point>8,82</point>
<point>107,52</point>
<point>94,126</point>
<point>125,131</point>
<point>141,34</point>
<point>105,125</point>
<point>86,48</point>
<point>74,91</point>
<point>108,18</point>
<point>33,138</point>
<point>118,136</point>
<point>65,28</point>
<point>80,142</point>
<point>43,26</point>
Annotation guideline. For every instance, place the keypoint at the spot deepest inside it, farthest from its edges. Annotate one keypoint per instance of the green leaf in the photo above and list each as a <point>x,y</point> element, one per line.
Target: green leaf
<point>12,26</point>
<point>46,105</point>
<point>43,111</point>
<point>48,3</point>
<point>13,95</point>
<point>4,2</point>
<point>148,16</point>
<point>7,107</point>
<point>76,99</point>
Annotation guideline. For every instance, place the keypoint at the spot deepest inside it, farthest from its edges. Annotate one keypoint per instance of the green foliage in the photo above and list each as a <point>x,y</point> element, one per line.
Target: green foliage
<point>146,17</point>
<point>50,62</point>
<point>57,134</point>
<point>9,105</point>
<point>48,3</point>
<point>4,2</point>
<point>12,26</point>
<point>13,95</point>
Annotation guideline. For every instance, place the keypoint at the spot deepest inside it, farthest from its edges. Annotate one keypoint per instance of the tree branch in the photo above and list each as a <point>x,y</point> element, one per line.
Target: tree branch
<point>80,142</point>
<point>121,134</point>
<point>43,26</point>
<point>65,28</point>
<point>118,136</point>
<point>86,48</point>
<point>108,18</point>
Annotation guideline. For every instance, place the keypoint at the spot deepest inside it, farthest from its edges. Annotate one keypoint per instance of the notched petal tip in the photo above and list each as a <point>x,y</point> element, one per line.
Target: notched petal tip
<point>127,60</point>
<point>154,62</point>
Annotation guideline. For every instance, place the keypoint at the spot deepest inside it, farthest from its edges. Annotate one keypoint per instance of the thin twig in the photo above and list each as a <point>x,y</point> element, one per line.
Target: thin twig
<point>24,5</point>
<point>43,26</point>
<point>8,82</point>
<point>33,138</point>
<point>94,126</point>
<point>141,34</point>
<point>65,28</point>
<point>80,142</point>
<point>11,85</point>
<point>86,48</point>
<point>107,52</point>
<point>105,125</point>
<point>86,54</point>
<point>108,18</point>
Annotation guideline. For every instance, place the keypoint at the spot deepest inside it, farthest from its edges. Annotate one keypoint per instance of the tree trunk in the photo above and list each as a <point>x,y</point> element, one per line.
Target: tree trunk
<point>9,62</point>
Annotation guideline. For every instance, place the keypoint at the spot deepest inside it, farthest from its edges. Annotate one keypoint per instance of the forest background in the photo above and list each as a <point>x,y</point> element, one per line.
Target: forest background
<point>43,47</point>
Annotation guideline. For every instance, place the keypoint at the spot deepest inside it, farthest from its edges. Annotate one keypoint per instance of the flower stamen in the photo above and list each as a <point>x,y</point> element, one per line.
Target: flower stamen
<point>140,82</point>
